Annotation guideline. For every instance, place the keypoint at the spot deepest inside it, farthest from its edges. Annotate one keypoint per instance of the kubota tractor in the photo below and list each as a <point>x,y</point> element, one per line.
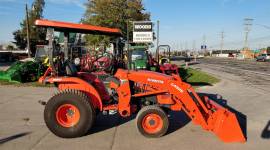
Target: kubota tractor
<point>72,111</point>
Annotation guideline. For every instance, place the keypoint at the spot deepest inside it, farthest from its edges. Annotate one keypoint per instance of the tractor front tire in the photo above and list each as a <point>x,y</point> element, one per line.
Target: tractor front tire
<point>152,121</point>
<point>69,114</point>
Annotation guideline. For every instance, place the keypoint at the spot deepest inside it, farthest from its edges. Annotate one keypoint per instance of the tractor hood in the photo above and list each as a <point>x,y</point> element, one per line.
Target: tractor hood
<point>143,76</point>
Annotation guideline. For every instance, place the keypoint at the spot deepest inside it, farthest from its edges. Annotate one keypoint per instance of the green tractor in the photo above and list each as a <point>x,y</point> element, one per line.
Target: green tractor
<point>141,58</point>
<point>27,70</point>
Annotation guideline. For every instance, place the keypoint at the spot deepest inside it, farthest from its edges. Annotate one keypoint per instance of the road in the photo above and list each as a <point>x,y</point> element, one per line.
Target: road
<point>248,65</point>
<point>252,73</point>
<point>22,125</point>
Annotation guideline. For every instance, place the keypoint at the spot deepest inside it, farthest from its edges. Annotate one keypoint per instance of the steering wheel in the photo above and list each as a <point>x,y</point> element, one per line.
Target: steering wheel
<point>87,62</point>
<point>104,62</point>
<point>93,62</point>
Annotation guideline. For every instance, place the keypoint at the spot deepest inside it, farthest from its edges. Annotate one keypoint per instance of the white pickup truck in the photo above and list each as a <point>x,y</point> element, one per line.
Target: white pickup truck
<point>263,57</point>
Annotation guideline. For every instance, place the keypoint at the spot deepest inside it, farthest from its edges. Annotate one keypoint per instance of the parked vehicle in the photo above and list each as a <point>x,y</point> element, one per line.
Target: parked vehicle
<point>6,56</point>
<point>263,57</point>
<point>72,111</point>
<point>139,58</point>
<point>164,59</point>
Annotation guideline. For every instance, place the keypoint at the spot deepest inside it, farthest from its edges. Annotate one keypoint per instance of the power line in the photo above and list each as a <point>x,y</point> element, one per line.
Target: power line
<point>265,26</point>
<point>250,40</point>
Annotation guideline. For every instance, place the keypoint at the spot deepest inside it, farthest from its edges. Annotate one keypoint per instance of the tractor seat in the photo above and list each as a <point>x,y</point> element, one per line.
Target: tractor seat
<point>164,61</point>
<point>71,69</point>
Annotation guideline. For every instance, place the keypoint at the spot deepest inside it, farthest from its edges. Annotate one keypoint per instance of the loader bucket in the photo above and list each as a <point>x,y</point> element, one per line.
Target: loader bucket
<point>225,124</point>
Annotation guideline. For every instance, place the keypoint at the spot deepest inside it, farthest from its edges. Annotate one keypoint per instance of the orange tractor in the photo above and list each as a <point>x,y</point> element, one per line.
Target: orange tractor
<point>72,111</point>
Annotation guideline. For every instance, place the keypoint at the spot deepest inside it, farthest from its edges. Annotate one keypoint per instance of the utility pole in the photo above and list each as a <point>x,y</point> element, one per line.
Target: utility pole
<point>177,49</point>
<point>186,47</point>
<point>247,28</point>
<point>28,31</point>
<point>204,43</point>
<point>181,49</point>
<point>204,39</point>
<point>194,45</point>
<point>128,51</point>
<point>157,51</point>
<point>222,42</point>
<point>194,50</point>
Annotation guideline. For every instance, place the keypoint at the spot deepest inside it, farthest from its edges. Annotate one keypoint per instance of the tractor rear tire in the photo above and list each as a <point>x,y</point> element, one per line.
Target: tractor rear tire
<point>69,114</point>
<point>152,121</point>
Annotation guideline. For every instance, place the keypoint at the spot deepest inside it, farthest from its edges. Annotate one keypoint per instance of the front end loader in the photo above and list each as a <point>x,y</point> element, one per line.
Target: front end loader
<point>72,111</point>
<point>171,93</point>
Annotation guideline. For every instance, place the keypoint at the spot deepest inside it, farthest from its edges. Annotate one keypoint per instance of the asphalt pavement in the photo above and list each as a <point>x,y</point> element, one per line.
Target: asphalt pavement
<point>252,73</point>
<point>22,126</point>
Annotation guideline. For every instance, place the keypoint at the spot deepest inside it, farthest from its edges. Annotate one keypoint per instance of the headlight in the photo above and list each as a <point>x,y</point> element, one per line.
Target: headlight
<point>77,61</point>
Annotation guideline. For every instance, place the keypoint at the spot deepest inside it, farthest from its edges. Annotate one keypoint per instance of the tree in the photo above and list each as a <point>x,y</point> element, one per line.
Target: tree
<point>10,47</point>
<point>115,14</point>
<point>268,50</point>
<point>37,35</point>
<point>19,38</point>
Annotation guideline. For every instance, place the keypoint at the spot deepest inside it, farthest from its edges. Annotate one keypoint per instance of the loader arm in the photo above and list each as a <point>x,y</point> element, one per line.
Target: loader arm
<point>204,112</point>
<point>185,96</point>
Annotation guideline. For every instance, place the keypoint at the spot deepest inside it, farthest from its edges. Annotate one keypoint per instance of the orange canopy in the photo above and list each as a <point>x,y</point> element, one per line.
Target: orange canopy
<point>78,28</point>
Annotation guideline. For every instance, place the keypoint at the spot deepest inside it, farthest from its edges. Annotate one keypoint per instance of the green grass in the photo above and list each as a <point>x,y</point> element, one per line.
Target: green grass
<point>192,76</point>
<point>196,77</point>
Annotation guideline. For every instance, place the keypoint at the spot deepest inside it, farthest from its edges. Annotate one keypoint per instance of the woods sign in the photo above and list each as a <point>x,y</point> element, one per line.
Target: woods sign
<point>142,32</point>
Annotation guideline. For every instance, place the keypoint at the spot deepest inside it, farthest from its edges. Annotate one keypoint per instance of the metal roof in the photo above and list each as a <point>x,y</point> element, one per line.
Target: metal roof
<point>78,28</point>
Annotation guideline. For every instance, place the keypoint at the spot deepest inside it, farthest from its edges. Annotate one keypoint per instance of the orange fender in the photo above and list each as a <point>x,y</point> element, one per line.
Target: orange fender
<point>78,84</point>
